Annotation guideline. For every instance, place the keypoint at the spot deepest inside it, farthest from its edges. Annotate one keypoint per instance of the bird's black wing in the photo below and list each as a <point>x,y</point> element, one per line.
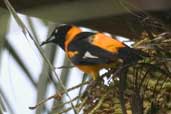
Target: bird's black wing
<point>88,53</point>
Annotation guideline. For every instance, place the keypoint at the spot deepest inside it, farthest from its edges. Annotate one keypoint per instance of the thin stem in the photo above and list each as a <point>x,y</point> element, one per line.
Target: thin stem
<point>99,104</point>
<point>58,95</point>
<point>67,102</point>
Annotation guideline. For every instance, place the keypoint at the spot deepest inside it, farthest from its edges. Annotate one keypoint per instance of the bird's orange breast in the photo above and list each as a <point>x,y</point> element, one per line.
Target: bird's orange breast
<point>92,70</point>
<point>71,35</point>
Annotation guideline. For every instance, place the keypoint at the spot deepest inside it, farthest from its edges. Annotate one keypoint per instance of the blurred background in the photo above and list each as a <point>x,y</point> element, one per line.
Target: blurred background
<point>24,79</point>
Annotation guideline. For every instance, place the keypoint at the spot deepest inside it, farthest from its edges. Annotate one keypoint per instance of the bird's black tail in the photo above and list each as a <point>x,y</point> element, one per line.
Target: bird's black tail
<point>131,55</point>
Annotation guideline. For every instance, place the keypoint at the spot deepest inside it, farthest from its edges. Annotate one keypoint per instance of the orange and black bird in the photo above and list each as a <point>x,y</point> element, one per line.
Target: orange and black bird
<point>91,51</point>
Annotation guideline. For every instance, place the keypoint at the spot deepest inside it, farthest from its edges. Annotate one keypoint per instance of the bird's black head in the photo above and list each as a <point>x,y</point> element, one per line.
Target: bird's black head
<point>58,35</point>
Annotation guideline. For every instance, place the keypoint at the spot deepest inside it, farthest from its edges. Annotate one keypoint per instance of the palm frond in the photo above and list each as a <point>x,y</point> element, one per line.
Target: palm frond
<point>25,32</point>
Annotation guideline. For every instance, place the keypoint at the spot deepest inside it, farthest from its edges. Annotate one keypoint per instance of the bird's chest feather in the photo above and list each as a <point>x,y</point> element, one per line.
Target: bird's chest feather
<point>70,36</point>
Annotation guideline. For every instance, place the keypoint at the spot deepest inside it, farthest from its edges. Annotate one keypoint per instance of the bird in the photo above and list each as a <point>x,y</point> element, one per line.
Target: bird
<point>91,51</point>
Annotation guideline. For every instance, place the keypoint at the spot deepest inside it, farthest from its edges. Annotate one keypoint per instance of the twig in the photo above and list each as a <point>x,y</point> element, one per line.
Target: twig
<point>67,102</point>
<point>82,104</point>
<point>141,42</point>
<point>67,109</point>
<point>81,87</point>
<point>79,106</point>
<point>61,67</point>
<point>56,96</point>
<point>118,71</point>
<point>77,86</point>
<point>122,87</point>
<point>143,78</point>
<point>99,103</point>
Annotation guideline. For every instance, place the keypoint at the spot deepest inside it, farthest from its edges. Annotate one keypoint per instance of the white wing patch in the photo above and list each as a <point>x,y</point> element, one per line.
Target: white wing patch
<point>107,34</point>
<point>125,40</point>
<point>89,55</point>
<point>84,29</point>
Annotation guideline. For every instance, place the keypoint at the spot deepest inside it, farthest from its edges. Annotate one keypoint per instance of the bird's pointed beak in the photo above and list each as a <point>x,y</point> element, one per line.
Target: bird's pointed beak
<point>49,40</point>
